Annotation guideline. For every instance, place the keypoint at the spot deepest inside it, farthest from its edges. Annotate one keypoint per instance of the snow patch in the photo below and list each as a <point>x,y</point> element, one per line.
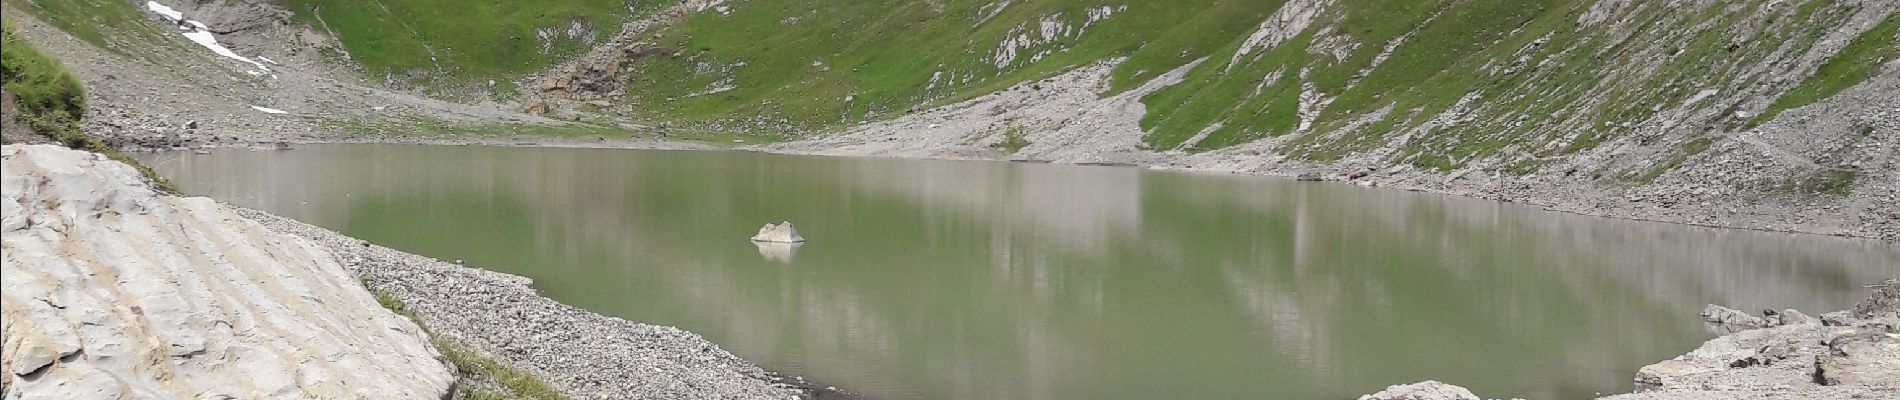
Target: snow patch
<point>198,33</point>
<point>161,9</point>
<point>268,110</point>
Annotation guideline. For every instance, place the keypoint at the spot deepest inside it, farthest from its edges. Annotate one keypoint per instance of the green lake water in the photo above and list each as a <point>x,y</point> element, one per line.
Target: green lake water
<point>992,280</point>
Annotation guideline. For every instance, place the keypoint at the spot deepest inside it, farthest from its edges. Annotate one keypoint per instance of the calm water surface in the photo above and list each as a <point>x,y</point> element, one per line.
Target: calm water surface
<point>987,280</point>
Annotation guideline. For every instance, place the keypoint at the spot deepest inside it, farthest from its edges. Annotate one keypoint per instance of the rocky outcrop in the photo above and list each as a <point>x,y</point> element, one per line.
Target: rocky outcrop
<point>1427,390</point>
<point>782,233</point>
<point>112,290</point>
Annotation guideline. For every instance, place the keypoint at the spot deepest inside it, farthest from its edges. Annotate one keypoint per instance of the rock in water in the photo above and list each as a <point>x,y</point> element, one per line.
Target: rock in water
<point>1427,390</point>
<point>782,233</point>
<point>1732,317</point>
<point>115,291</point>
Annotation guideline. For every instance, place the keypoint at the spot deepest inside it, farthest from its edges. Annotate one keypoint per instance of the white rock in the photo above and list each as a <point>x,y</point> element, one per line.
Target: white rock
<point>115,291</point>
<point>1427,390</point>
<point>781,233</point>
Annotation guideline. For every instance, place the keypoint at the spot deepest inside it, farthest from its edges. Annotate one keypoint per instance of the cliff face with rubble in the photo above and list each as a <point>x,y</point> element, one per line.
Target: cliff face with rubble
<point>112,290</point>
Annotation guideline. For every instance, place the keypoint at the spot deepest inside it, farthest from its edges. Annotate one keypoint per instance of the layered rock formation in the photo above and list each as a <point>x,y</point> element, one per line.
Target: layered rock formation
<point>112,290</point>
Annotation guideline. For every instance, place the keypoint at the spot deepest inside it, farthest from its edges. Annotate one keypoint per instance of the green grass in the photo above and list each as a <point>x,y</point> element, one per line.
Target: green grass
<point>52,101</point>
<point>1689,149</point>
<point>113,25</point>
<point>514,384</point>
<point>884,55</point>
<point>1014,140</point>
<point>434,44</point>
<point>1854,64</point>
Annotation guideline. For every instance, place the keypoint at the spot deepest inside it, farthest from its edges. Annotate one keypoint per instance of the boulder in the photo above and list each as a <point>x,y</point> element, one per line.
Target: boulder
<point>1732,317</point>
<point>1793,317</point>
<point>1427,390</point>
<point>1667,372</point>
<point>781,233</point>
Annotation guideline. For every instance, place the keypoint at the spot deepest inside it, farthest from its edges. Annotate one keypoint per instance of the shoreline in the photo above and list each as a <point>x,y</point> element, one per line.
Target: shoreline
<point>1411,182</point>
<point>582,353</point>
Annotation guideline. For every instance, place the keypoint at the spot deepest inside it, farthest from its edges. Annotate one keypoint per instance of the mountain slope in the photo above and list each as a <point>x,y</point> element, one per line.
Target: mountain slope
<point>1782,107</point>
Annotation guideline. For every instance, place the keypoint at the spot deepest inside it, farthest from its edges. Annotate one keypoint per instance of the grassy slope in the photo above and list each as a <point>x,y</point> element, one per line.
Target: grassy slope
<point>884,54</point>
<point>1853,64</point>
<point>432,43</point>
<point>51,100</point>
<point>1542,85</point>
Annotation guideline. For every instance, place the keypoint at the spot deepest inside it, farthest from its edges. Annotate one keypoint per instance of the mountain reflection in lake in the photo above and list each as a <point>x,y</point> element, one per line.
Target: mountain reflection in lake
<point>960,280</point>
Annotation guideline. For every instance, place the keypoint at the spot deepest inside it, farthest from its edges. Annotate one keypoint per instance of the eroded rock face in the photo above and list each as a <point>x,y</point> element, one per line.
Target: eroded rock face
<point>1427,390</point>
<point>114,291</point>
<point>781,233</point>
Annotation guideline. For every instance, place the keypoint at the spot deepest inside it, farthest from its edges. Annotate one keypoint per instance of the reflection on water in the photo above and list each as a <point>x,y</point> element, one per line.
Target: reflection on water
<point>955,280</point>
<point>778,252</point>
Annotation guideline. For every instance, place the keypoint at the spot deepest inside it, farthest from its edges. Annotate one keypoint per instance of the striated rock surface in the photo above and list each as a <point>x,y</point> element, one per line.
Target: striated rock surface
<point>782,233</point>
<point>112,290</point>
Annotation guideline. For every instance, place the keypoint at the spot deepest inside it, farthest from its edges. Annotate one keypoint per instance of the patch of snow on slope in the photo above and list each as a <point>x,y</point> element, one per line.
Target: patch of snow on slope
<point>268,110</point>
<point>198,33</point>
<point>161,9</point>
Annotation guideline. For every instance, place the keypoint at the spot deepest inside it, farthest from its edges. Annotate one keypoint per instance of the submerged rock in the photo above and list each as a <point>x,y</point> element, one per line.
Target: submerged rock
<point>782,233</point>
<point>1427,390</point>
<point>115,291</point>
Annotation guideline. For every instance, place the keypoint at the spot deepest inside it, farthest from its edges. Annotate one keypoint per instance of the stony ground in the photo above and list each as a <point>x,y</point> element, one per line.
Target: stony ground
<point>586,355</point>
<point>1734,184</point>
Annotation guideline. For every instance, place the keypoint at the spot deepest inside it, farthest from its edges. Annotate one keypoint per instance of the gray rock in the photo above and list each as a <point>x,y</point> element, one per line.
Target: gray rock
<point>1795,317</point>
<point>1732,317</point>
<point>1863,358</point>
<point>1427,390</point>
<point>780,233</point>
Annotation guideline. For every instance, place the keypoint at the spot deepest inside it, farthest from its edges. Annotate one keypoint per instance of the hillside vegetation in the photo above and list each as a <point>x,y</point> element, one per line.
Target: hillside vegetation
<point>1442,83</point>
<point>1507,86</point>
<point>50,100</point>
<point>435,43</point>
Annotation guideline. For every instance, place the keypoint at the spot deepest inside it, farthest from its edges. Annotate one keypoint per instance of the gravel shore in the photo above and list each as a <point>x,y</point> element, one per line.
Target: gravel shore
<point>585,355</point>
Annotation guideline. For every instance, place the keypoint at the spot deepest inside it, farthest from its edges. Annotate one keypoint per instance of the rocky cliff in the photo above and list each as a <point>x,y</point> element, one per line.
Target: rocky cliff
<point>113,290</point>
